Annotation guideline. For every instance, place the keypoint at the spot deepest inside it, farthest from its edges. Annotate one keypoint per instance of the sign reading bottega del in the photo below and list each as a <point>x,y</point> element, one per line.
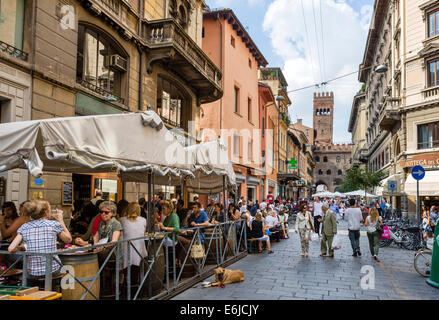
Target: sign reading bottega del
<point>424,160</point>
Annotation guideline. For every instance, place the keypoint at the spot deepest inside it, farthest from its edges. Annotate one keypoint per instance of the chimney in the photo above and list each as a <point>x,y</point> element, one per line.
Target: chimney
<point>299,121</point>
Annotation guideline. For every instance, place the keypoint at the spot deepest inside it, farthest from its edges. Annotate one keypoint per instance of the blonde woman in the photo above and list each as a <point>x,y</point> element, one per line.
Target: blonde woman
<point>371,223</point>
<point>133,226</point>
<point>258,230</point>
<point>304,226</point>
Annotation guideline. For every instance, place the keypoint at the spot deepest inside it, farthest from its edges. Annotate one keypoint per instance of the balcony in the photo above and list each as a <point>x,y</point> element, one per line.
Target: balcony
<point>169,43</point>
<point>390,116</point>
<point>431,94</point>
<point>12,51</point>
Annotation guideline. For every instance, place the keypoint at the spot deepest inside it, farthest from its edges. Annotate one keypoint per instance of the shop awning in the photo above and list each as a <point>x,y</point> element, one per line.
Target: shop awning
<point>130,142</point>
<point>429,186</point>
<point>211,163</point>
<point>240,178</point>
<point>383,189</point>
<point>253,181</point>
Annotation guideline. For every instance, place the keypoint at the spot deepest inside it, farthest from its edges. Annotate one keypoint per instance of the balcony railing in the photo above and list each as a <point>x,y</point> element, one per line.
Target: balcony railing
<point>163,33</point>
<point>431,93</point>
<point>108,96</point>
<point>12,51</point>
<point>390,114</point>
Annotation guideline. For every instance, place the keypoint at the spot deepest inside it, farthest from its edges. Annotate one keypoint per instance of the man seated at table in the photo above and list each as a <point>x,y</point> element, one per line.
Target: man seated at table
<point>198,218</point>
<point>273,224</point>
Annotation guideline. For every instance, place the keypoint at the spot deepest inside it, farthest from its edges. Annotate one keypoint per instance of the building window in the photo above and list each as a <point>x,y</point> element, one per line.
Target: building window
<point>339,172</point>
<point>236,145</point>
<point>320,172</point>
<point>236,100</point>
<point>250,151</point>
<point>100,64</point>
<point>171,103</point>
<point>428,135</point>
<point>433,23</point>
<point>328,172</point>
<point>249,63</point>
<point>11,22</point>
<point>325,159</point>
<point>433,73</point>
<point>317,158</point>
<point>263,126</point>
<point>249,109</point>
<point>202,32</point>
<point>338,159</point>
<point>232,41</point>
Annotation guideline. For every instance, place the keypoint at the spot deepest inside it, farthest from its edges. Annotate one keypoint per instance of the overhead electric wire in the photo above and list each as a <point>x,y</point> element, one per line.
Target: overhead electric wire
<point>323,39</point>
<point>307,41</point>
<point>323,83</point>
<point>317,40</point>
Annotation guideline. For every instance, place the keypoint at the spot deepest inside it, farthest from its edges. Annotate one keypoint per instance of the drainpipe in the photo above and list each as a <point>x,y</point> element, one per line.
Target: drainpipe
<point>139,48</point>
<point>221,69</point>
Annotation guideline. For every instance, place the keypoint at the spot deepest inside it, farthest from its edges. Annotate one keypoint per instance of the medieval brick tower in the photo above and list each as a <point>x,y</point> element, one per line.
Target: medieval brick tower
<point>323,118</point>
<point>332,160</point>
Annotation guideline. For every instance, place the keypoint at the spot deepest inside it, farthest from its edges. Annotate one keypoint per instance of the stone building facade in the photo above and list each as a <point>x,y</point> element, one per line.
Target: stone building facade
<point>88,57</point>
<point>332,160</point>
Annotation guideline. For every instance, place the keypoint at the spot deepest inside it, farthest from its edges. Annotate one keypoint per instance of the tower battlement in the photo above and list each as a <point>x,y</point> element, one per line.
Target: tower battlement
<point>323,95</point>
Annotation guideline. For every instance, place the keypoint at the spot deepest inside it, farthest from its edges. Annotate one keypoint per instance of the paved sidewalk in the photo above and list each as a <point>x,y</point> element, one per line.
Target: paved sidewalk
<point>285,275</point>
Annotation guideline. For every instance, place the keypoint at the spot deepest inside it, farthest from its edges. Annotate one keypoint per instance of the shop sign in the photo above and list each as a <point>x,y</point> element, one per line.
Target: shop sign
<point>424,160</point>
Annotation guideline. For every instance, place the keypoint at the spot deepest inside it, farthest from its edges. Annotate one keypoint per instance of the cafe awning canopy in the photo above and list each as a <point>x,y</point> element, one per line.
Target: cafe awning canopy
<point>210,164</point>
<point>359,193</point>
<point>131,142</point>
<point>428,186</point>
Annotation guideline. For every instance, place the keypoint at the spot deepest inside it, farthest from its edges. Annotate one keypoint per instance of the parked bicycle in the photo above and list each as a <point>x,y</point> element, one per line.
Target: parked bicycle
<point>422,261</point>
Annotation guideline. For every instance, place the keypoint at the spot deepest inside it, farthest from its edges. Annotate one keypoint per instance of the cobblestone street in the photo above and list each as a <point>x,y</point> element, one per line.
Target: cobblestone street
<point>285,275</point>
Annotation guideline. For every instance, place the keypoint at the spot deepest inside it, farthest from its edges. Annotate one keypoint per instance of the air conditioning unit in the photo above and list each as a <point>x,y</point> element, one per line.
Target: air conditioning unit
<point>118,63</point>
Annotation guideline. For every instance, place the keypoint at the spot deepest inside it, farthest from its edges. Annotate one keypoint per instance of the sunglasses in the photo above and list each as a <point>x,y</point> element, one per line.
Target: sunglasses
<point>105,212</point>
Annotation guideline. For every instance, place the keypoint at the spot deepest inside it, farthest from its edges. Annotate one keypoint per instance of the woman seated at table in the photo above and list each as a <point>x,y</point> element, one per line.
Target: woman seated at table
<point>218,215</point>
<point>39,235</point>
<point>11,220</point>
<point>172,224</point>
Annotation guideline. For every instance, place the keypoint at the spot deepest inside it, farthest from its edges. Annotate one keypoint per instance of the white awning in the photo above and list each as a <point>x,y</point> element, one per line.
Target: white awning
<point>384,190</point>
<point>429,186</point>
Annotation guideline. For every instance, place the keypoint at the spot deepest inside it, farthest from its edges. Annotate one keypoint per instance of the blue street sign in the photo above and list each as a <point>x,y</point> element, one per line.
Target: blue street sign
<point>392,186</point>
<point>418,172</point>
<point>38,181</point>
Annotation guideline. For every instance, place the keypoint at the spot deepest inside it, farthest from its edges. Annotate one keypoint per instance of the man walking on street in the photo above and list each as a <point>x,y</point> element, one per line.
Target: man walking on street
<point>317,215</point>
<point>329,230</point>
<point>354,217</point>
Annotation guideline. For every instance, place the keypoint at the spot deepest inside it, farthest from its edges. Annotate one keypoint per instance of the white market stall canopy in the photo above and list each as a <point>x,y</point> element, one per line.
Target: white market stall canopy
<point>211,163</point>
<point>131,142</point>
<point>324,194</point>
<point>360,193</point>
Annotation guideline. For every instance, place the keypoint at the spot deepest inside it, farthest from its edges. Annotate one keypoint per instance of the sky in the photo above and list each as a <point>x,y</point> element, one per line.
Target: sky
<point>312,41</point>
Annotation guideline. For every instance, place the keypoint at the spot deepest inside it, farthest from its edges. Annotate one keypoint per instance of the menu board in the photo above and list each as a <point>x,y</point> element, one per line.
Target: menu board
<point>67,193</point>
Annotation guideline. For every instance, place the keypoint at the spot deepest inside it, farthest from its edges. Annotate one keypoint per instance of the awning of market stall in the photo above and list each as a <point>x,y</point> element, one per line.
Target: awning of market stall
<point>131,142</point>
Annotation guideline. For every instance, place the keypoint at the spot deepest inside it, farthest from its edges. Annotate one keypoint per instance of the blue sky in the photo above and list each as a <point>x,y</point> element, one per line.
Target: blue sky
<point>289,35</point>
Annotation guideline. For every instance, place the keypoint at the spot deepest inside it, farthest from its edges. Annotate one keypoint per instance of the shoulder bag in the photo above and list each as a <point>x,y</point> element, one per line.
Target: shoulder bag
<point>310,222</point>
<point>379,227</point>
<point>197,251</point>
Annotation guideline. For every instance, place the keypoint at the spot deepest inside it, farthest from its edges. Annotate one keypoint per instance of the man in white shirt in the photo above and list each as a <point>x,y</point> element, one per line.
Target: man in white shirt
<point>273,223</point>
<point>317,214</point>
<point>354,217</point>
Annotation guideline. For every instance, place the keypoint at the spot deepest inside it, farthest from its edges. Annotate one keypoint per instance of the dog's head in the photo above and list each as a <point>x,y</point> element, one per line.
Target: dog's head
<point>219,273</point>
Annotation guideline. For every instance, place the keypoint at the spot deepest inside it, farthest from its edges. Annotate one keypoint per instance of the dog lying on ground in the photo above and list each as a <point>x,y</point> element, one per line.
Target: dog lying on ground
<point>226,276</point>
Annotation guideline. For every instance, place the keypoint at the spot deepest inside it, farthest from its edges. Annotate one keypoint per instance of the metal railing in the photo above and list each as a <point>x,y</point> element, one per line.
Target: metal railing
<point>232,234</point>
<point>11,50</point>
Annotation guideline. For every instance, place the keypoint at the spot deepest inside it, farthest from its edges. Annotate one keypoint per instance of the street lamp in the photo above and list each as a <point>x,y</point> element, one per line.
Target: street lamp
<point>382,68</point>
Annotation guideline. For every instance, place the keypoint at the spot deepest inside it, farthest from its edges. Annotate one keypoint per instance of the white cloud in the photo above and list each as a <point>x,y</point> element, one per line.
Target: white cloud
<point>344,31</point>
<point>229,3</point>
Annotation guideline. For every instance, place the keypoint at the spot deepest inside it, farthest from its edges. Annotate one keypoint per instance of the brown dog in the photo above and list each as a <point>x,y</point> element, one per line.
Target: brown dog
<point>226,276</point>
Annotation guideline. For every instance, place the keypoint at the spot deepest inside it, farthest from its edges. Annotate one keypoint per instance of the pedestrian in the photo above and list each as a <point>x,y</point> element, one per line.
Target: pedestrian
<point>317,215</point>
<point>372,223</point>
<point>354,218</point>
<point>329,230</point>
<point>433,218</point>
<point>304,226</point>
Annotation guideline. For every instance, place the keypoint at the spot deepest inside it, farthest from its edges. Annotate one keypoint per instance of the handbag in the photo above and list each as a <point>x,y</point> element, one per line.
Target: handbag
<point>197,250</point>
<point>310,223</point>
<point>379,227</point>
<point>385,234</point>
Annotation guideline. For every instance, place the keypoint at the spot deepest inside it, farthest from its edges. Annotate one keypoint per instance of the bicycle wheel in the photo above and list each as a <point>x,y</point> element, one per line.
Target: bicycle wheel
<point>407,241</point>
<point>422,263</point>
<point>385,242</point>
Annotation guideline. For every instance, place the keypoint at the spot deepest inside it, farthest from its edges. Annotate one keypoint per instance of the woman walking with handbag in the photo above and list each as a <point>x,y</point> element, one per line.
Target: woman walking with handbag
<point>304,226</point>
<point>374,226</point>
